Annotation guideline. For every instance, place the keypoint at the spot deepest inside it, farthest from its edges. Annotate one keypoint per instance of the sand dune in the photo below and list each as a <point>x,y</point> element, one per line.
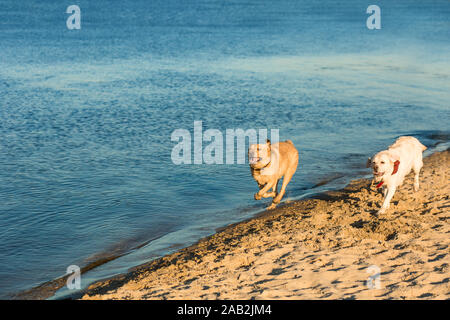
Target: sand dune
<point>322,248</point>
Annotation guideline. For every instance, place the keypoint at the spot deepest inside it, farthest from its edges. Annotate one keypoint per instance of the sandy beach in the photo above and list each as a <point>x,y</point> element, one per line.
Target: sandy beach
<point>326,247</point>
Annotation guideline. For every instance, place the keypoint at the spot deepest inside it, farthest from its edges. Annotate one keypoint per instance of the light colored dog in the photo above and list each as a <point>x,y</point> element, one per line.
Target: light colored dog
<point>392,165</point>
<point>268,164</point>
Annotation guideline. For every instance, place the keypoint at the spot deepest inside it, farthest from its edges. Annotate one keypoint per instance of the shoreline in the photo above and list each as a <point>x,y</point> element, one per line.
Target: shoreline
<point>49,289</point>
<point>248,259</point>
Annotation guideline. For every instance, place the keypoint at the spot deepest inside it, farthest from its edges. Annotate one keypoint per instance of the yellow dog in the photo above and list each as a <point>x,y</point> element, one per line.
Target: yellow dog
<point>268,164</point>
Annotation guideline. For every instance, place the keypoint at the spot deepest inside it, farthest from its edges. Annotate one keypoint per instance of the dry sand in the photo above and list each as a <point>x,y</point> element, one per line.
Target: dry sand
<point>319,248</point>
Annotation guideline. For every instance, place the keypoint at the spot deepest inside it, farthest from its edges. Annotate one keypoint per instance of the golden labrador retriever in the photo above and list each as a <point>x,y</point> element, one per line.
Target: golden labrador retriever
<point>268,164</point>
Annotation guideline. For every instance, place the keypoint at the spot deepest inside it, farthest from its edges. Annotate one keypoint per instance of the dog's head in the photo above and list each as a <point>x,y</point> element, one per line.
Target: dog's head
<point>259,155</point>
<point>384,163</point>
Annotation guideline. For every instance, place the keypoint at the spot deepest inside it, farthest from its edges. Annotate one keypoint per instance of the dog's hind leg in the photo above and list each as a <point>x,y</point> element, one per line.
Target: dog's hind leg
<point>275,188</point>
<point>417,166</point>
<point>287,178</point>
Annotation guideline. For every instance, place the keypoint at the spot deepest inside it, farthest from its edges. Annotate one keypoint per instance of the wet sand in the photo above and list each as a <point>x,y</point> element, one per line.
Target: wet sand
<point>326,247</point>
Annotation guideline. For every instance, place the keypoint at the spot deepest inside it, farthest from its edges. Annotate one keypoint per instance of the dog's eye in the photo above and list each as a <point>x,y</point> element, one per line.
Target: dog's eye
<point>382,162</point>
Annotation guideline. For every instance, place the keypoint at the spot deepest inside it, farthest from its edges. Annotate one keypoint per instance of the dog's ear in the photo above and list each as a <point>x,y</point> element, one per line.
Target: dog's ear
<point>395,159</point>
<point>369,162</point>
<point>268,144</point>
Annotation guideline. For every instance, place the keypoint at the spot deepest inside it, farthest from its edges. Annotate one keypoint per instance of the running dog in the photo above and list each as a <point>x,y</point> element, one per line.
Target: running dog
<point>392,165</point>
<point>268,164</point>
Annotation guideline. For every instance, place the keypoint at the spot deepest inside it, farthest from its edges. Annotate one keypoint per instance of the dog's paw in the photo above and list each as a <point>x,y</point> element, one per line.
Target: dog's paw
<point>272,206</point>
<point>257,196</point>
<point>270,195</point>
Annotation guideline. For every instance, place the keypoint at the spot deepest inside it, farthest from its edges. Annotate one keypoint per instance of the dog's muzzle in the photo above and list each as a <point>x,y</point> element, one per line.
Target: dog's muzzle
<point>254,160</point>
<point>378,176</point>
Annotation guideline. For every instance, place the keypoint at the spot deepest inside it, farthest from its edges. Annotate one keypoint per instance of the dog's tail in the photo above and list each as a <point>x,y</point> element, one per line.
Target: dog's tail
<point>419,144</point>
<point>423,147</point>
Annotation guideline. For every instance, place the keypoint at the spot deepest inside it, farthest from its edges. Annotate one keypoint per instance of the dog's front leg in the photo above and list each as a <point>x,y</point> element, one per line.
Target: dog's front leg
<point>387,199</point>
<point>262,191</point>
<point>272,194</point>
<point>385,190</point>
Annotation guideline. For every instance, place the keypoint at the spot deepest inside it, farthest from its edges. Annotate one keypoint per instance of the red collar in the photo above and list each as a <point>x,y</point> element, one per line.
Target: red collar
<point>380,184</point>
<point>396,164</point>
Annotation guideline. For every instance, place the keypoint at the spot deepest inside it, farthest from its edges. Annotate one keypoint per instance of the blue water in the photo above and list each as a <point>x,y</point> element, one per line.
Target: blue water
<point>86,115</point>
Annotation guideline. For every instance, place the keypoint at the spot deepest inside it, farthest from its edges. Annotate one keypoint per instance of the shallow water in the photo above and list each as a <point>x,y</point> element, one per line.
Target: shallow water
<point>86,116</point>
